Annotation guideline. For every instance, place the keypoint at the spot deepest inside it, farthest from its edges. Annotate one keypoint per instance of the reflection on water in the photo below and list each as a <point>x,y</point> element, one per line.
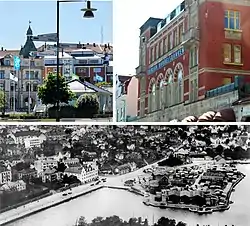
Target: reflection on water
<point>106,202</point>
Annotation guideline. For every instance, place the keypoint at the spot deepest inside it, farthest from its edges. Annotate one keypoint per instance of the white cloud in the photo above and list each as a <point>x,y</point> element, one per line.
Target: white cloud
<point>129,16</point>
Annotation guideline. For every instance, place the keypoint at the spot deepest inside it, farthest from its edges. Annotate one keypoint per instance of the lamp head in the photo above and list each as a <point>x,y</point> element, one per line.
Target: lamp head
<point>88,12</point>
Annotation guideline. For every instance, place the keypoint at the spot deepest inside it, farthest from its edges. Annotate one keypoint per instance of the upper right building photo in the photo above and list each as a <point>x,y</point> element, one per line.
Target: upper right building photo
<point>192,64</point>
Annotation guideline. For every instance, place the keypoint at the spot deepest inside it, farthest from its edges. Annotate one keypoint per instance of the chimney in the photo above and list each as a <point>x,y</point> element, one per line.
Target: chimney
<point>1,48</point>
<point>94,45</point>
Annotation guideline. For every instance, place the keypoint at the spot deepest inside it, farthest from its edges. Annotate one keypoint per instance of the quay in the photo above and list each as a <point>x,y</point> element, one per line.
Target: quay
<point>43,204</point>
<point>53,200</point>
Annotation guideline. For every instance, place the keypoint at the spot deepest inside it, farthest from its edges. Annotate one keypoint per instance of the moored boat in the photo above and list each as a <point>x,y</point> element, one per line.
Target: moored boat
<point>204,210</point>
<point>192,209</point>
<point>163,205</point>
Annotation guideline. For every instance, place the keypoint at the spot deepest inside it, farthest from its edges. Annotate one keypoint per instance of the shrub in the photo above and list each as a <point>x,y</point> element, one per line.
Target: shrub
<point>66,111</point>
<point>52,112</point>
<point>87,106</point>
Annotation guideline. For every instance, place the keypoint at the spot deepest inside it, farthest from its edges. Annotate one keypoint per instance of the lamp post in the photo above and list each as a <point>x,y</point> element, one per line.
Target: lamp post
<point>88,13</point>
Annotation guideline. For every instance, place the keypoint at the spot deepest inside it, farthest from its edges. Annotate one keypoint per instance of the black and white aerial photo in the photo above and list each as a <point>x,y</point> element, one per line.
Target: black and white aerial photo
<point>124,175</point>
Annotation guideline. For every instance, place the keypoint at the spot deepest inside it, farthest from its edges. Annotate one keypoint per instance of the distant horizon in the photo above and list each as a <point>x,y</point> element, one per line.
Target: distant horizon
<point>73,27</point>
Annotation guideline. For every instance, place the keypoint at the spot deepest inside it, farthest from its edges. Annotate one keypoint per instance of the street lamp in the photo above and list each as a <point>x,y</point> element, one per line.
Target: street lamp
<point>88,13</point>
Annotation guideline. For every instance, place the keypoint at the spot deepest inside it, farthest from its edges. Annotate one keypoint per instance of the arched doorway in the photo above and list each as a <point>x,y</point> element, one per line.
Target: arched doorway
<point>12,103</point>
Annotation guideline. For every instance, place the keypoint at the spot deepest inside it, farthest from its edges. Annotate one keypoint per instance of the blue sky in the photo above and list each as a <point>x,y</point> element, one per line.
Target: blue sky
<point>129,16</point>
<point>73,27</point>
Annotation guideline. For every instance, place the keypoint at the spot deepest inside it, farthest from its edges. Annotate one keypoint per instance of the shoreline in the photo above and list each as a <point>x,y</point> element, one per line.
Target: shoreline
<point>48,205</point>
<point>191,208</point>
<point>64,199</point>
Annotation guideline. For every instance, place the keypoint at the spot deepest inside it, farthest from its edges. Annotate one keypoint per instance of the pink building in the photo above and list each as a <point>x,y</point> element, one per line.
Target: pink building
<point>132,95</point>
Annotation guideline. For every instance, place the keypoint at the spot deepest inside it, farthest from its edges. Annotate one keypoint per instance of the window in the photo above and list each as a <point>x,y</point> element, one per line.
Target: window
<point>176,38</point>
<point>157,51</point>
<point>29,75</point>
<point>237,54</point>
<point>82,70</point>
<point>35,87</point>
<point>2,74</point>
<point>152,55</point>
<point>36,76</point>
<point>193,57</point>
<point>170,41</point>
<point>7,62</point>
<point>227,53</point>
<point>28,87</point>
<point>32,63</point>
<point>232,20</point>
<point>181,33</point>
<point>161,48</point>
<point>165,45</point>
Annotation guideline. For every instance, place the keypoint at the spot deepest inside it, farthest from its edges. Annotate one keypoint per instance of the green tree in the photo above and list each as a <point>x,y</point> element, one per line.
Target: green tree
<point>87,105</point>
<point>48,91</point>
<point>2,101</point>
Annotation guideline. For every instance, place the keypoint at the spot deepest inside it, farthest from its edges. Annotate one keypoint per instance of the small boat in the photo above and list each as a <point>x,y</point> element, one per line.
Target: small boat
<point>195,210</point>
<point>146,203</point>
<point>163,205</point>
<point>204,210</point>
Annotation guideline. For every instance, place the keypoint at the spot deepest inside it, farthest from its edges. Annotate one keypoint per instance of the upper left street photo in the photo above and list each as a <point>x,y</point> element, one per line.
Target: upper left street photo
<point>56,61</point>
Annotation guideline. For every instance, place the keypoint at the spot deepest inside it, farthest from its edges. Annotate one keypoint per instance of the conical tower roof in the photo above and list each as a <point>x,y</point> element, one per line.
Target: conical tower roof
<point>29,45</point>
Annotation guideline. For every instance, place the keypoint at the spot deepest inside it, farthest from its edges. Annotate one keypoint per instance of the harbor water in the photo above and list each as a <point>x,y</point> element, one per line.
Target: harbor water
<point>108,202</point>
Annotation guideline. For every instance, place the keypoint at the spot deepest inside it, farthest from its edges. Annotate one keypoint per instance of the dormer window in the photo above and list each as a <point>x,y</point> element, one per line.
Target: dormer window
<point>7,62</point>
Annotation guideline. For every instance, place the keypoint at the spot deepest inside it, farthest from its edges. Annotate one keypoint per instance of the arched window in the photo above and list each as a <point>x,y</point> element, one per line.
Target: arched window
<point>180,86</point>
<point>161,94</point>
<point>170,89</point>
<point>28,87</point>
<point>153,97</point>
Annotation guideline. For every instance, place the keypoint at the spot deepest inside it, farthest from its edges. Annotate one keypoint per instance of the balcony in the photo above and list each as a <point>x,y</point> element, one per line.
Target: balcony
<point>190,37</point>
<point>140,70</point>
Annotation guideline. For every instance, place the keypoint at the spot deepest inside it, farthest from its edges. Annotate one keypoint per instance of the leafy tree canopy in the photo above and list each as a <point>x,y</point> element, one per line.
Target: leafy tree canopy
<point>48,91</point>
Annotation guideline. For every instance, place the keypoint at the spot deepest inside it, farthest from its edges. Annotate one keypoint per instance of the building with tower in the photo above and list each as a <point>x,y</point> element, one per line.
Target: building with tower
<point>194,60</point>
<point>91,62</point>
<point>29,75</point>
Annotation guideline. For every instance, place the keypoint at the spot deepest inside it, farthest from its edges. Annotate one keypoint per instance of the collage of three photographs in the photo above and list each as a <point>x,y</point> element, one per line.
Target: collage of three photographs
<point>124,113</point>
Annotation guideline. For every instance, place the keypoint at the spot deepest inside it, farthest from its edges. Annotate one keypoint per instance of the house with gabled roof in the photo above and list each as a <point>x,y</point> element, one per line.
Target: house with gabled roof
<point>105,97</point>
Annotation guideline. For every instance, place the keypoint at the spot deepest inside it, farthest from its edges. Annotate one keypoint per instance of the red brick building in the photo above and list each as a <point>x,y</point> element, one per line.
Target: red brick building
<point>190,61</point>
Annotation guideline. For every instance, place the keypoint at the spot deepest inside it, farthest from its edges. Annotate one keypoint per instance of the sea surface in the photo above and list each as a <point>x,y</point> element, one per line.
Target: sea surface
<point>108,202</point>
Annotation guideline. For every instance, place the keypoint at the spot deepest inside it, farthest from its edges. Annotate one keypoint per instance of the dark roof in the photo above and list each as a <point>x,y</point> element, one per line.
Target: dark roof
<point>124,78</point>
<point>151,22</point>
<point>29,46</point>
